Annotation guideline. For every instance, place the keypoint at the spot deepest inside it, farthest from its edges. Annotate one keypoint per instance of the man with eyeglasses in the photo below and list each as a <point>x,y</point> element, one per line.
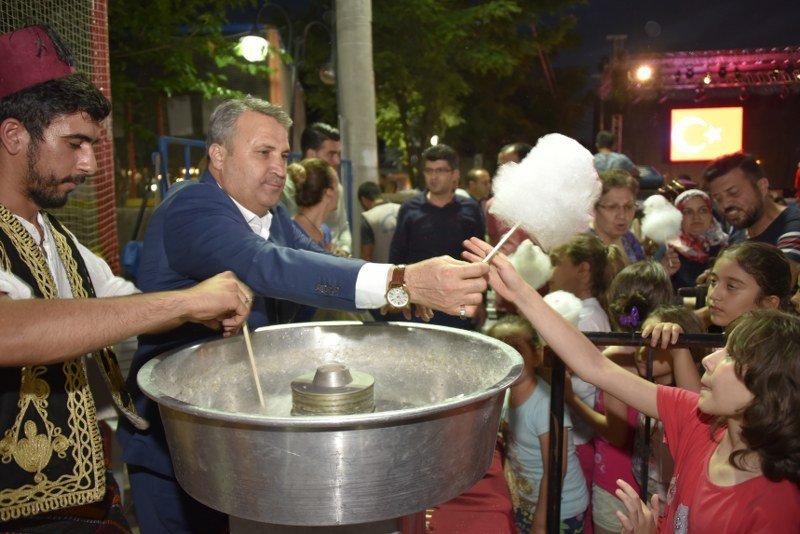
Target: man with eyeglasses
<point>437,221</point>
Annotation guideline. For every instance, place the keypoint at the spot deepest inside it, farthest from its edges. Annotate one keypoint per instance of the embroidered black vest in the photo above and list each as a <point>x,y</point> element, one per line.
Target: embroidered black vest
<point>51,451</point>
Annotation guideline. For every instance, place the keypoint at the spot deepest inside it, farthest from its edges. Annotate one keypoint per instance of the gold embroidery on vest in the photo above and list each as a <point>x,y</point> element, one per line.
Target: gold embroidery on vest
<point>24,443</point>
<point>32,452</point>
<point>5,262</point>
<point>108,365</point>
<point>29,252</point>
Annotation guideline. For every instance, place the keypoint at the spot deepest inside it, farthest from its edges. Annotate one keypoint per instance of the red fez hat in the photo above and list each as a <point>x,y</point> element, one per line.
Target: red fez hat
<point>28,57</point>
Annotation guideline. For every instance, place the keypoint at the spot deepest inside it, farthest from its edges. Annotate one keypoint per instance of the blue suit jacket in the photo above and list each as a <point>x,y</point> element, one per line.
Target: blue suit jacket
<point>198,232</point>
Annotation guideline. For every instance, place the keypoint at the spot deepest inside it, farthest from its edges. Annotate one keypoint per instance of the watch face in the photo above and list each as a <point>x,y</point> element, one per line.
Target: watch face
<point>397,297</point>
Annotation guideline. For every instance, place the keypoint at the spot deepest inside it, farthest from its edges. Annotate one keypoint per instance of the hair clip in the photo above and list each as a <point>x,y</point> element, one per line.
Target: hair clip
<point>631,319</point>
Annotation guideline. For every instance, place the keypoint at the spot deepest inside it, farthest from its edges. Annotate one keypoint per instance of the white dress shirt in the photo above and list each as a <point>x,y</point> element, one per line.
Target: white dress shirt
<point>104,281</point>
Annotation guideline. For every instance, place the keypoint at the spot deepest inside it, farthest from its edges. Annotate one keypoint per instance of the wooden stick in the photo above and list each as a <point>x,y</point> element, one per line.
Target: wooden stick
<point>246,332</point>
<point>500,243</point>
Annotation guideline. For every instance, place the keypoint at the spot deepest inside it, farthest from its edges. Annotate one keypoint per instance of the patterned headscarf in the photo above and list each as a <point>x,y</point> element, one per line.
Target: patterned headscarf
<point>696,247</point>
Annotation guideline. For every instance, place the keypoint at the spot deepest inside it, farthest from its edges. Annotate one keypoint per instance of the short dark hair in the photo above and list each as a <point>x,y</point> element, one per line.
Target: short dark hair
<point>316,134</point>
<point>440,151</point>
<point>369,190</point>
<point>737,160</point>
<point>37,106</point>
<point>473,174</point>
<point>520,149</point>
<point>604,139</point>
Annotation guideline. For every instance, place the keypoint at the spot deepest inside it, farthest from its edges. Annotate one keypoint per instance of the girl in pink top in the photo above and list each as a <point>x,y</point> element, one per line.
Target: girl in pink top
<point>736,445</point>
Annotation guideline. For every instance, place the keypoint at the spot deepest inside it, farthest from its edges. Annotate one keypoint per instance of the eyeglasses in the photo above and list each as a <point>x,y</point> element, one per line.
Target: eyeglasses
<point>436,172</point>
<point>616,208</point>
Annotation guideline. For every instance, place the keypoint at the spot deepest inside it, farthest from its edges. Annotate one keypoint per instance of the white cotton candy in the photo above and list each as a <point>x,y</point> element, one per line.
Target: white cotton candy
<point>662,220</point>
<point>551,193</point>
<point>566,304</point>
<point>533,265</point>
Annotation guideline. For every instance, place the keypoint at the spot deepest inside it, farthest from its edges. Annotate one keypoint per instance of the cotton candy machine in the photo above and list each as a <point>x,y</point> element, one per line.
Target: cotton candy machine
<point>429,435</point>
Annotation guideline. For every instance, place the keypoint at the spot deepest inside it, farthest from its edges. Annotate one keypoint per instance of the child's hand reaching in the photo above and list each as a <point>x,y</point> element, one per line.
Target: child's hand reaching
<point>641,518</point>
<point>663,333</point>
<point>503,278</point>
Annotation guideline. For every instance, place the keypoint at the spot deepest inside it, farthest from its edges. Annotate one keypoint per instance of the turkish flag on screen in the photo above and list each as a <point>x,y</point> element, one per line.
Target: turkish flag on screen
<point>702,134</point>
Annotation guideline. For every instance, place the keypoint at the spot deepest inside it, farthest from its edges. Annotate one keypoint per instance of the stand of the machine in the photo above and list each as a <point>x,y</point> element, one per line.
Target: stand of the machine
<point>410,524</point>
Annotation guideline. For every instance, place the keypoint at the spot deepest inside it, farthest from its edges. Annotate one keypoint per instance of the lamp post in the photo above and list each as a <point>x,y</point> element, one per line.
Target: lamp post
<point>256,48</point>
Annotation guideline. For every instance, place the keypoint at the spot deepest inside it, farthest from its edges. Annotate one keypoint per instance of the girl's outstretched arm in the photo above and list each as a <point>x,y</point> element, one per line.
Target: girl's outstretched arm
<point>567,341</point>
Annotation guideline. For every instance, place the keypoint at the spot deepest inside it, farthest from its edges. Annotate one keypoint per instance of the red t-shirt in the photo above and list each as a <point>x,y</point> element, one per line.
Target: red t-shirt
<point>697,505</point>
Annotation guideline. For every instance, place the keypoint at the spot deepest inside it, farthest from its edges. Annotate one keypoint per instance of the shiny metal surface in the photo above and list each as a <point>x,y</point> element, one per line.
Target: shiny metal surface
<point>333,389</point>
<point>438,394</point>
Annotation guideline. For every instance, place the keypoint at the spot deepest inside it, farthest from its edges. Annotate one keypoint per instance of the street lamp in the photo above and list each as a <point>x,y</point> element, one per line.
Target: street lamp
<point>255,48</point>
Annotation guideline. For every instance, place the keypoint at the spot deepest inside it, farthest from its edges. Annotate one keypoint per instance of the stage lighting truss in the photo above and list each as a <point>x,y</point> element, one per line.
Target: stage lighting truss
<point>720,73</point>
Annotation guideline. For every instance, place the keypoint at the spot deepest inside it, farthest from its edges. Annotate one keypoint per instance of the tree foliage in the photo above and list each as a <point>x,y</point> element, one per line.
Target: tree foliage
<point>161,48</point>
<point>469,72</point>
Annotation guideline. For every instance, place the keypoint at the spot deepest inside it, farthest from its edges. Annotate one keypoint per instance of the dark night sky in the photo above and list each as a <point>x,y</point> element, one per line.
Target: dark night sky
<point>682,25</point>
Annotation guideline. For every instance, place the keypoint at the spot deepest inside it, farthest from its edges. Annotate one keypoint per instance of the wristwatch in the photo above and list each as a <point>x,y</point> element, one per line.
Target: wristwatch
<point>397,293</point>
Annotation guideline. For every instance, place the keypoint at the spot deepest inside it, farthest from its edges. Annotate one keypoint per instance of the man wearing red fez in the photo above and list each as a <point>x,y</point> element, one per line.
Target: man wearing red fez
<point>53,476</point>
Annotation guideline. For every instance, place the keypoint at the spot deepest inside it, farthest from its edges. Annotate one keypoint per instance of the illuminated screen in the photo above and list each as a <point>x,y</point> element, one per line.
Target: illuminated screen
<point>702,134</point>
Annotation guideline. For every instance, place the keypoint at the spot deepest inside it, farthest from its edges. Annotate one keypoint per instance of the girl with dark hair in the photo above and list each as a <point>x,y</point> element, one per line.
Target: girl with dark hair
<point>739,473</point>
<point>747,276</point>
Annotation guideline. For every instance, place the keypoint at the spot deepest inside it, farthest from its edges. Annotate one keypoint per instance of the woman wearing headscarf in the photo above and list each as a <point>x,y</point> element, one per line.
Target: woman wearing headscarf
<point>700,240</point>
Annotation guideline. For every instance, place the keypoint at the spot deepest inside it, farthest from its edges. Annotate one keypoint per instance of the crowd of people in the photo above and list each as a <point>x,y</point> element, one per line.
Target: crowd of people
<point>716,446</point>
<point>258,241</point>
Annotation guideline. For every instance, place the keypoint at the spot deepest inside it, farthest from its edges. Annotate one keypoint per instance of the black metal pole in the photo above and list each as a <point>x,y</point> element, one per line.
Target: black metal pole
<point>634,339</point>
<point>556,464</point>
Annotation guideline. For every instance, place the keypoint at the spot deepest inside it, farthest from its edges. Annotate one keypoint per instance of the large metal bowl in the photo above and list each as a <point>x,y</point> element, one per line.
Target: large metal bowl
<point>438,394</point>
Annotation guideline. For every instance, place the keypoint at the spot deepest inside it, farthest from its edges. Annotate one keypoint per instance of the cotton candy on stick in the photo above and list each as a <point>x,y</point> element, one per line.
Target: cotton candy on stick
<point>550,194</point>
<point>662,220</point>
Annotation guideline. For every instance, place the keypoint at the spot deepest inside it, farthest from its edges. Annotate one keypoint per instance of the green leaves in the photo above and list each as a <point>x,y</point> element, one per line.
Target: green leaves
<point>443,67</point>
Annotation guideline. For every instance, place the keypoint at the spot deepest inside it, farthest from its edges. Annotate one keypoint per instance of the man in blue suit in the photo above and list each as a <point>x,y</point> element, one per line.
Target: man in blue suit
<point>232,220</point>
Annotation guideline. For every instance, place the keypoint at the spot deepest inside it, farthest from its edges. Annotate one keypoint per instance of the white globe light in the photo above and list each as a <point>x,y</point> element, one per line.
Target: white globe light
<point>253,48</point>
<point>434,140</point>
<point>644,73</point>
